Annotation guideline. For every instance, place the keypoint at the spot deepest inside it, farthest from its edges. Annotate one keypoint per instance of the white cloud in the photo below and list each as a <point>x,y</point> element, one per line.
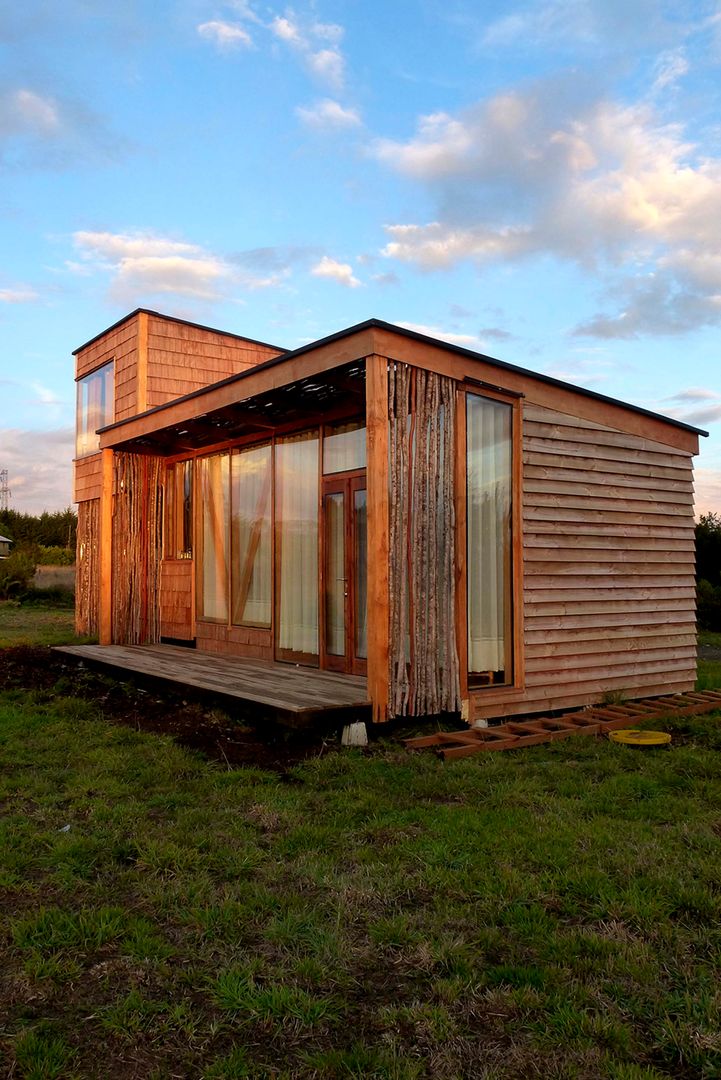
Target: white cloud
<point>39,468</point>
<point>602,184</point>
<point>144,263</point>
<point>328,66</point>
<point>225,35</point>
<point>467,340</point>
<point>317,44</point>
<point>338,271</point>
<point>40,130</point>
<point>328,115</point>
<point>287,30</point>
<point>695,393</point>
<point>18,295</point>
<point>670,68</point>
<point>707,485</point>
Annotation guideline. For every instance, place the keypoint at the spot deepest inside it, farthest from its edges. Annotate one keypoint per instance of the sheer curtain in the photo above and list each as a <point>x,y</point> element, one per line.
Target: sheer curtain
<point>488,428</point>
<point>215,502</point>
<point>251,536</point>
<point>296,462</point>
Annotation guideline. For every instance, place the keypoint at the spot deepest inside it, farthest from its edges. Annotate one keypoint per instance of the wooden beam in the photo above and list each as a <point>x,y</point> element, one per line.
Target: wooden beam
<point>253,382</point>
<point>105,613</point>
<point>142,368</point>
<point>377,478</point>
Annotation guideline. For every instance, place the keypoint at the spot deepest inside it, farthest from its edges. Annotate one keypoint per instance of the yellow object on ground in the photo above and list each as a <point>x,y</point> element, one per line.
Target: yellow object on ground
<point>636,737</point>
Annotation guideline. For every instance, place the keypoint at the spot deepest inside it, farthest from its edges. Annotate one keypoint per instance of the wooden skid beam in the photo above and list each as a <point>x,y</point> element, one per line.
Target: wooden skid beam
<point>512,735</point>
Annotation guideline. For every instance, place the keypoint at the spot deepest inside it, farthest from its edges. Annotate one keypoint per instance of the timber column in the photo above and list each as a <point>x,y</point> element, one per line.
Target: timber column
<point>377,483</point>
<point>105,550</point>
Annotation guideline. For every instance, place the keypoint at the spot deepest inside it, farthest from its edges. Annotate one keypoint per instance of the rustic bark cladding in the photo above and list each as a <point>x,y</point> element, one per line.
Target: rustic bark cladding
<point>137,548</point>
<point>424,671</point>
<point>87,583</point>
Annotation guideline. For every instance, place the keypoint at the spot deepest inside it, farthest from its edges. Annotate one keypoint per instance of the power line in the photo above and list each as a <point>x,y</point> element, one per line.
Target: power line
<point>4,490</point>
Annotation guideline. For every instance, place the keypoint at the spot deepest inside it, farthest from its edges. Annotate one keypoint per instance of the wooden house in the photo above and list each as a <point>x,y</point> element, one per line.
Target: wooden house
<point>468,535</point>
<point>5,543</point>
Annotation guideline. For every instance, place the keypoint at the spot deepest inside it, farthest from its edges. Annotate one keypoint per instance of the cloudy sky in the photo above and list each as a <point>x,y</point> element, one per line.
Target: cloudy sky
<point>540,181</point>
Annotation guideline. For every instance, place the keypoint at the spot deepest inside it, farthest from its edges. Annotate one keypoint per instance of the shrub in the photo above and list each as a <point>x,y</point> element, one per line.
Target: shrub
<point>54,556</point>
<point>16,574</point>
<point>708,604</point>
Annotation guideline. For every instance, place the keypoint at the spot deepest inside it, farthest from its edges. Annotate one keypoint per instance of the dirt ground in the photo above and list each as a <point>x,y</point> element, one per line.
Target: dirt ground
<point>196,722</point>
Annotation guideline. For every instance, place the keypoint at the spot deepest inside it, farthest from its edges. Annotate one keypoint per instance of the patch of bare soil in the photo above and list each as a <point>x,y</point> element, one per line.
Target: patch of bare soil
<point>193,720</point>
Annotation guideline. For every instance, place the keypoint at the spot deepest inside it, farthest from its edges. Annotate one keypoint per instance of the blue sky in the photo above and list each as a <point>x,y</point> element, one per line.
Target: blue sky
<point>540,181</point>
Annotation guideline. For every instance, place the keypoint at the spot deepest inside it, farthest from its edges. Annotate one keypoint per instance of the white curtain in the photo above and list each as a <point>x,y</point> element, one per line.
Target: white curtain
<point>251,529</point>
<point>489,532</point>
<point>215,501</point>
<point>296,464</point>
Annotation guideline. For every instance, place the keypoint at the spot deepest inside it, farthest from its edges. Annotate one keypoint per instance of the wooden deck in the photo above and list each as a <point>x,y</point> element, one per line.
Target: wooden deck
<point>283,688</point>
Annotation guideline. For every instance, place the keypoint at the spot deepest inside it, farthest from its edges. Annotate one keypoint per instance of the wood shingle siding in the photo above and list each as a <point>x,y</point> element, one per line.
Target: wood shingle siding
<point>608,566</point>
<point>183,358</point>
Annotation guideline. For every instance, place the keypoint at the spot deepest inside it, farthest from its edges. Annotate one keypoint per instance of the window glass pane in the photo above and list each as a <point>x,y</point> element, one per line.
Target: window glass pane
<point>344,447</point>
<point>251,529</point>
<point>213,564</point>
<point>488,463</point>
<point>361,576</point>
<point>95,408</point>
<point>335,585</point>
<point>296,480</point>
<point>178,511</point>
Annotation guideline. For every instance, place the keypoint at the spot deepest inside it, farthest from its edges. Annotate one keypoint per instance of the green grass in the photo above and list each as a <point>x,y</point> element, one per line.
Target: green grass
<point>37,624</point>
<point>550,913</point>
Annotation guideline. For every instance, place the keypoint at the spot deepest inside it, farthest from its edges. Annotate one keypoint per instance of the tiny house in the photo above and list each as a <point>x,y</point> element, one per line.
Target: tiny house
<point>5,544</point>
<point>469,536</point>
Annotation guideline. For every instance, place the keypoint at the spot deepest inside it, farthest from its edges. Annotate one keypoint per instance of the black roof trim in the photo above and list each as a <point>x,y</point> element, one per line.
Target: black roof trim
<point>414,335</point>
<point>172,318</point>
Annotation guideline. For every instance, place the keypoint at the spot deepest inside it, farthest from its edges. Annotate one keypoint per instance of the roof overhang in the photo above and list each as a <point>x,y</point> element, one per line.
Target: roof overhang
<point>305,383</point>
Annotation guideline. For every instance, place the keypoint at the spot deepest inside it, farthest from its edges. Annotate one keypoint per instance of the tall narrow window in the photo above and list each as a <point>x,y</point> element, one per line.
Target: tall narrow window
<point>296,477</point>
<point>179,511</point>
<point>251,536</point>
<point>95,408</point>
<point>213,561</point>
<point>489,473</point>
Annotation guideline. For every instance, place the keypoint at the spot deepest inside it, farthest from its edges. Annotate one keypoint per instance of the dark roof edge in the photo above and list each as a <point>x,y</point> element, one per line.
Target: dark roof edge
<point>414,335</point>
<point>172,318</point>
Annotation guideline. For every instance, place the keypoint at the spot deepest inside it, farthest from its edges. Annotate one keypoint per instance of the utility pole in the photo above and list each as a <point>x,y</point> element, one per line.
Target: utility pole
<point>4,490</point>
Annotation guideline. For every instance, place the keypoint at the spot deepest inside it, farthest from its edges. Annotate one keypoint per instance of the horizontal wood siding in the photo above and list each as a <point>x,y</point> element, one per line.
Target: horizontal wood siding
<point>608,565</point>
<point>177,599</point>
<point>87,480</point>
<point>234,641</point>
<point>184,358</point>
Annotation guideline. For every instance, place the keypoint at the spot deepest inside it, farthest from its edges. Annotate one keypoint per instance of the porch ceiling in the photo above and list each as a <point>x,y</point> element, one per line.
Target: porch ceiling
<point>336,393</point>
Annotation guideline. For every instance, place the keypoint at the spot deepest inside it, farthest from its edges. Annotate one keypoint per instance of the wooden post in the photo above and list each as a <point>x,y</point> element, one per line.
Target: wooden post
<point>377,481</point>
<point>142,361</point>
<point>105,551</point>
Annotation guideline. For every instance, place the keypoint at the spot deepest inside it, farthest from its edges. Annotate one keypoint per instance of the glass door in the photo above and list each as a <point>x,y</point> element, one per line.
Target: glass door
<point>345,577</point>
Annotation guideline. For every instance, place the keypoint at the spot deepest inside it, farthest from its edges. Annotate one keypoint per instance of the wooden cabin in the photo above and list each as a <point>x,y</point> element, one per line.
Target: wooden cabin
<point>470,536</point>
<point>5,544</point>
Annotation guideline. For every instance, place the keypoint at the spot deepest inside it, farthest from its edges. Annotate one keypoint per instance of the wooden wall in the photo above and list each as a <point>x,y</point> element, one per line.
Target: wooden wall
<point>183,358</point>
<point>87,478</point>
<point>236,641</point>
<point>177,599</point>
<point>608,542</point>
<point>119,345</point>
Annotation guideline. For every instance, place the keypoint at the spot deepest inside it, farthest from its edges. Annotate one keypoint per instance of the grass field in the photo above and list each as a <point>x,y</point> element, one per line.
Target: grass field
<point>554,913</point>
<point>36,624</point>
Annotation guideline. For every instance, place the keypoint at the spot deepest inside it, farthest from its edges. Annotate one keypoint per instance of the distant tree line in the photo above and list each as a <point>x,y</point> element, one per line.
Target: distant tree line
<point>708,571</point>
<point>56,530</point>
<point>42,540</point>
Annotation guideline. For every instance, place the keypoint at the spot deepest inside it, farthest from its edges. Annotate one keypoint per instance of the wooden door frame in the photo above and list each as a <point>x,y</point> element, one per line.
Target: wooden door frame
<point>346,484</point>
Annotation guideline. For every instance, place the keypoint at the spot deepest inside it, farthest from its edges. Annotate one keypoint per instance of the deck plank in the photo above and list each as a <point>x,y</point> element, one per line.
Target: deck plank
<point>279,686</point>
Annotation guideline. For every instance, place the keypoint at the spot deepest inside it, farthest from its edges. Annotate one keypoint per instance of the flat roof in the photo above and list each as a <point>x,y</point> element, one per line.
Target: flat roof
<point>173,318</point>
<point>414,335</point>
